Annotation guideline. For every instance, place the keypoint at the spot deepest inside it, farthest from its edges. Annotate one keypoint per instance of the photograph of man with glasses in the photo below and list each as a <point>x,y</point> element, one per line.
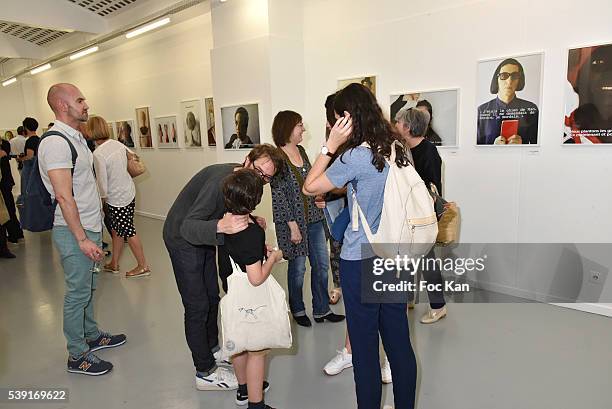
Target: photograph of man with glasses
<point>507,119</point>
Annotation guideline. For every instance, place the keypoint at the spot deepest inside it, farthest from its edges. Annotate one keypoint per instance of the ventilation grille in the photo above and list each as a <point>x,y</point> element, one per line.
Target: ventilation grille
<point>104,8</point>
<point>35,35</point>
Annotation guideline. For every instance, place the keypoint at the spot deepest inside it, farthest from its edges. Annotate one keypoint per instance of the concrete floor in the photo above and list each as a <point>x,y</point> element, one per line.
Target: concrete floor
<point>501,356</point>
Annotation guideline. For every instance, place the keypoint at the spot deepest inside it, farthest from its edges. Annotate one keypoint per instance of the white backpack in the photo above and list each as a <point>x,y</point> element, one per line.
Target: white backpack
<point>408,224</point>
<point>253,318</point>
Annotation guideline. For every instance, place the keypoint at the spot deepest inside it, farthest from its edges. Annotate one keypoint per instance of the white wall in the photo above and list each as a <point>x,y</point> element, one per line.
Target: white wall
<point>553,193</point>
<point>157,70</point>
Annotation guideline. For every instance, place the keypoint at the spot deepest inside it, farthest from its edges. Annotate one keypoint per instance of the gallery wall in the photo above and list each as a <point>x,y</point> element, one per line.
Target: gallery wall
<point>157,70</point>
<point>546,194</point>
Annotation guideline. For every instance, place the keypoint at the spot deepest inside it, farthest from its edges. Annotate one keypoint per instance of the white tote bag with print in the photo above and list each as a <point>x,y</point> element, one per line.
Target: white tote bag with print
<point>253,318</point>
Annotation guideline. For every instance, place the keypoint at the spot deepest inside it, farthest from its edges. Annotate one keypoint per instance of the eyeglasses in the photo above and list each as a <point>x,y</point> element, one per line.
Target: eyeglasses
<point>505,75</point>
<point>266,178</point>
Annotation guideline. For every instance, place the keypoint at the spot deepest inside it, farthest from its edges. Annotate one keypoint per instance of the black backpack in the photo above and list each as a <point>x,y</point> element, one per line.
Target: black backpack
<point>38,209</point>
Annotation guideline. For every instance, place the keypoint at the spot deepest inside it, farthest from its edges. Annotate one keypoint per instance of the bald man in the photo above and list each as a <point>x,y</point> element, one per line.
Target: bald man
<point>77,227</point>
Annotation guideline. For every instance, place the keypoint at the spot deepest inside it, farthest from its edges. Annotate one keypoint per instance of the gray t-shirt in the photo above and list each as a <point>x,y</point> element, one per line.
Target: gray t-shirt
<point>355,168</point>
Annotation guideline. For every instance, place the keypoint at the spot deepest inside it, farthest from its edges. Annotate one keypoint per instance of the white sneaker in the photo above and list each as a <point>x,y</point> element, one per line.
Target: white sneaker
<point>339,363</point>
<point>221,379</point>
<point>219,360</point>
<point>385,371</point>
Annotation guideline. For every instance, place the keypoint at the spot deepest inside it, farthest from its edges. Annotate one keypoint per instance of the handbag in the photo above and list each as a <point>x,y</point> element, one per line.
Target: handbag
<point>4,214</point>
<point>135,166</point>
<point>448,218</point>
<point>253,318</point>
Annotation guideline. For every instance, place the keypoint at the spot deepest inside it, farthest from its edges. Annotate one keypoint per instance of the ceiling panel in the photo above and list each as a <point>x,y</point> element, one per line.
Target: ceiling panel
<point>105,8</point>
<point>35,35</point>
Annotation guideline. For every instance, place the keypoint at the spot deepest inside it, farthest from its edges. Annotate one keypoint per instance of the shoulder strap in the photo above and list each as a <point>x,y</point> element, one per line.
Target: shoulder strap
<point>72,148</point>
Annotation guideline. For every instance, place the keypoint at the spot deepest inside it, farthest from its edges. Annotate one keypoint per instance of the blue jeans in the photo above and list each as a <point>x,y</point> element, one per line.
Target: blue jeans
<point>79,322</point>
<point>365,321</point>
<point>319,266</point>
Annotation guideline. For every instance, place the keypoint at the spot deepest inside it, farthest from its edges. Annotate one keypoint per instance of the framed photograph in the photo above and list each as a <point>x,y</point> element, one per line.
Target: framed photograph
<point>111,130</point>
<point>209,106</point>
<point>368,81</point>
<point>165,132</point>
<point>8,134</point>
<point>240,126</point>
<point>125,131</point>
<point>190,118</point>
<point>442,106</point>
<point>144,128</point>
<point>509,98</point>
<point>588,96</point>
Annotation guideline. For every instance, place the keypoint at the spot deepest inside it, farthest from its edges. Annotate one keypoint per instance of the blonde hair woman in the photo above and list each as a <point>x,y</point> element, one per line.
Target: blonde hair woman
<point>118,194</point>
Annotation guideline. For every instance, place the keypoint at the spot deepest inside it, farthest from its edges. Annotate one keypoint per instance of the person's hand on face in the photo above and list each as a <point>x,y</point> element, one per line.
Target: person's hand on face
<point>232,223</point>
<point>340,132</point>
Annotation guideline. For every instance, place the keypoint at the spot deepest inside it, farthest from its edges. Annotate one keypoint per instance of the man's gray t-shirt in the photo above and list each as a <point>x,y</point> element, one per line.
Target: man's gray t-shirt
<point>355,168</point>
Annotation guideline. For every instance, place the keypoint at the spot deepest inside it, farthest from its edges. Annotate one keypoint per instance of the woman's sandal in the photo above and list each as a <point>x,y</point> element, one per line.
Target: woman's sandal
<point>111,269</point>
<point>138,272</point>
<point>335,295</point>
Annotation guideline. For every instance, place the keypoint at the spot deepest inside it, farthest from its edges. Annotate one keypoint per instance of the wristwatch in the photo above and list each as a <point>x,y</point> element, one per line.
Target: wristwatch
<point>325,151</point>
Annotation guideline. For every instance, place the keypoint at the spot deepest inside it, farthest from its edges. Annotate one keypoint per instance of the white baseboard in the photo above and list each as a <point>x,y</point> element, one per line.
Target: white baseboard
<point>599,309</point>
<point>150,215</point>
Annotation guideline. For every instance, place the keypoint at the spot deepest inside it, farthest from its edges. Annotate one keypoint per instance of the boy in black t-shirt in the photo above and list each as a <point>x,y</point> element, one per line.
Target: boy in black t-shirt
<point>242,191</point>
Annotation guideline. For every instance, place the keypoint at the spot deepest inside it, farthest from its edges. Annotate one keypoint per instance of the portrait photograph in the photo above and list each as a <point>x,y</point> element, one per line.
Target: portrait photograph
<point>442,108</point>
<point>190,118</point>
<point>368,81</point>
<point>240,126</point>
<point>144,127</point>
<point>209,106</point>
<point>588,96</point>
<point>165,133</point>
<point>8,134</point>
<point>125,131</point>
<point>508,99</point>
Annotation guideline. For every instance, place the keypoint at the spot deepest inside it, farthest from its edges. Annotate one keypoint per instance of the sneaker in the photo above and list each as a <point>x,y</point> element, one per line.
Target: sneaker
<point>434,315</point>
<point>385,371</point>
<point>89,364</point>
<point>243,398</point>
<point>219,359</point>
<point>331,317</point>
<point>221,379</point>
<point>106,340</point>
<point>339,363</point>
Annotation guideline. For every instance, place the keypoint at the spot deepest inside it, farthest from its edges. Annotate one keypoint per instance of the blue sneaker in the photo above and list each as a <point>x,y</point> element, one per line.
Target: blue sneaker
<point>89,364</point>
<point>106,340</point>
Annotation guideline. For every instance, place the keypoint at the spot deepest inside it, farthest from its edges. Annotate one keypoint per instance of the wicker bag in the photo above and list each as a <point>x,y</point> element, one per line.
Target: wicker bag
<point>135,166</point>
<point>448,218</point>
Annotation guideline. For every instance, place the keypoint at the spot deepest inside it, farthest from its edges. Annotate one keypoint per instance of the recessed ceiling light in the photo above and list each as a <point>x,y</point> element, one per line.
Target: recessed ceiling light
<point>9,82</point>
<point>40,69</point>
<point>148,27</point>
<point>83,53</point>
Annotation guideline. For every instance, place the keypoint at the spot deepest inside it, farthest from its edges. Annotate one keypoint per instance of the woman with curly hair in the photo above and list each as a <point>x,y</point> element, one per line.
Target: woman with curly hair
<point>364,169</point>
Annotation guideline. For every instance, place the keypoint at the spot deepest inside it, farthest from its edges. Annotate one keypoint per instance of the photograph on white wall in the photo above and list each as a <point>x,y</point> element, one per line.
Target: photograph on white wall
<point>210,121</point>
<point>367,81</point>
<point>125,132</point>
<point>165,132</point>
<point>442,108</point>
<point>144,127</point>
<point>509,97</point>
<point>190,119</point>
<point>240,126</point>
<point>8,134</point>
<point>111,130</point>
<point>588,96</point>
